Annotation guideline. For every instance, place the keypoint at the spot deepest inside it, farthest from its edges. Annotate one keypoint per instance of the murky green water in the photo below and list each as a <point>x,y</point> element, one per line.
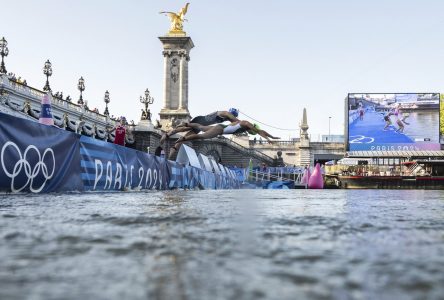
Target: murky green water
<point>248,244</point>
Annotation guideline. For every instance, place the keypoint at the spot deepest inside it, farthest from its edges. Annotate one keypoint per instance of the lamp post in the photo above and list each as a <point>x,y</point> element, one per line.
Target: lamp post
<point>146,115</point>
<point>4,51</point>
<point>107,100</point>
<point>47,70</point>
<point>81,87</point>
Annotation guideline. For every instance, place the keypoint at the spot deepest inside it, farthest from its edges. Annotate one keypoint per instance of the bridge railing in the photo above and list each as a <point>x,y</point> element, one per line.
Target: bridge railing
<point>259,143</point>
<point>249,150</point>
<point>256,175</point>
<point>272,173</point>
<point>29,92</point>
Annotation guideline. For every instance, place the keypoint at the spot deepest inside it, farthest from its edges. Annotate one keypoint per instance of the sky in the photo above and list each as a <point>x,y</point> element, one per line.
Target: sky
<point>270,59</point>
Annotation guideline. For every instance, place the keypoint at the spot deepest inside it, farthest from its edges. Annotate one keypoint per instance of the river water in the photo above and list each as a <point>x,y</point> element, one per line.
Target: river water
<point>244,244</point>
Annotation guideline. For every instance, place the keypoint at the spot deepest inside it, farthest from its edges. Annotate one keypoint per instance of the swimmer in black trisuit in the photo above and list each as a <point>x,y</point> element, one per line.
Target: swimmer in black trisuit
<point>219,129</point>
<point>213,118</point>
<point>387,120</point>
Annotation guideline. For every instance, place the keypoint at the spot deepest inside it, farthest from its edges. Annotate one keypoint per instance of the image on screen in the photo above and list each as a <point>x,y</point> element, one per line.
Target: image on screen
<point>394,122</point>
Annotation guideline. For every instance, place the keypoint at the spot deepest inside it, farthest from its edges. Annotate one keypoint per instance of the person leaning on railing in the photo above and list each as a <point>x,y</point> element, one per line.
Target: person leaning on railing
<point>120,132</point>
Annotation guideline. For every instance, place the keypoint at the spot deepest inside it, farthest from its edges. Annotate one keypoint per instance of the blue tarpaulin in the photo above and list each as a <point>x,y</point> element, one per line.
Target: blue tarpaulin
<point>41,158</point>
<point>37,158</point>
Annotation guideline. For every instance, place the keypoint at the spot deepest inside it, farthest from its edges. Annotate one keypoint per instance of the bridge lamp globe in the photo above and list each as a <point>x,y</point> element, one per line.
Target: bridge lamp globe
<point>81,87</point>
<point>4,51</point>
<point>47,70</point>
<point>107,100</point>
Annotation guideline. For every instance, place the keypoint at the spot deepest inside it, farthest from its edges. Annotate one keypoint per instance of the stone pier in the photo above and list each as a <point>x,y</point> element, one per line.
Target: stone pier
<point>176,51</point>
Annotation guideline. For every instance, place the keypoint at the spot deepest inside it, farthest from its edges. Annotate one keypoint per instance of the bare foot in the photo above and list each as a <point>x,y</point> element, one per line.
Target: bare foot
<point>173,150</point>
<point>163,138</point>
<point>181,139</point>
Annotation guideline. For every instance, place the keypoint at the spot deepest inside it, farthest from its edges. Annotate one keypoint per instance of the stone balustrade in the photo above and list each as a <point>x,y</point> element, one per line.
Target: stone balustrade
<point>67,115</point>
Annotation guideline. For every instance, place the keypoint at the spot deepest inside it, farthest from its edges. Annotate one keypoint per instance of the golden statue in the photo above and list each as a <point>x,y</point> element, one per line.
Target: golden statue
<point>177,20</point>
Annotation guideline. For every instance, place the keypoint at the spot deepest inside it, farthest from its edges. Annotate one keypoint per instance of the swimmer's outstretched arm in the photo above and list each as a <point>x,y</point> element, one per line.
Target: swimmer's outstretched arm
<point>228,115</point>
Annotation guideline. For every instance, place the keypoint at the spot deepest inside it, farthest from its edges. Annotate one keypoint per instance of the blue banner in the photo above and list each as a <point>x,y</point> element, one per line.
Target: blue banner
<point>40,158</point>
<point>37,158</point>
<point>107,166</point>
<point>176,172</point>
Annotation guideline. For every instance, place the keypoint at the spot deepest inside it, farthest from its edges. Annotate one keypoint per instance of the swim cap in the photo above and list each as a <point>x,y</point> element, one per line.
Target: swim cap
<point>234,112</point>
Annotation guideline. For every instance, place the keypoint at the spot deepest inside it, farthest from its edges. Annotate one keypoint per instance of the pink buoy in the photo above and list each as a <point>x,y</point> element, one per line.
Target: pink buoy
<point>45,111</point>
<point>316,181</point>
<point>306,176</point>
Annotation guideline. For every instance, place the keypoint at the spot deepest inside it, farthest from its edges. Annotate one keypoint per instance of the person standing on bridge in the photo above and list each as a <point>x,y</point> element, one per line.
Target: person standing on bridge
<point>213,118</point>
<point>219,129</point>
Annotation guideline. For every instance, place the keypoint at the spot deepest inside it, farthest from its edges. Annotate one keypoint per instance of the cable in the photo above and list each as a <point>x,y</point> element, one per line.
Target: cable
<point>286,129</point>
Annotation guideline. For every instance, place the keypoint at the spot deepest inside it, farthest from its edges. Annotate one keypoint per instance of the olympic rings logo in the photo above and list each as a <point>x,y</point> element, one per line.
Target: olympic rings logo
<point>361,139</point>
<point>23,163</point>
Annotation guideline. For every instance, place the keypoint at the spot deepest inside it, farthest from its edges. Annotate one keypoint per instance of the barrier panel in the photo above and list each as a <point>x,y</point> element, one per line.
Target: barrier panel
<point>37,158</point>
<point>107,166</point>
<point>40,158</point>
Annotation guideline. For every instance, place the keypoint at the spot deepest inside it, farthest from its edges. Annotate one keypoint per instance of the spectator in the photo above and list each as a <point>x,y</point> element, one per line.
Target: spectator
<point>264,167</point>
<point>158,151</point>
<point>120,132</point>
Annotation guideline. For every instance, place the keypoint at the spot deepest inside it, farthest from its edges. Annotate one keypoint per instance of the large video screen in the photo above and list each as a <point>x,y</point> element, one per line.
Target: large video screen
<point>441,120</point>
<point>394,122</point>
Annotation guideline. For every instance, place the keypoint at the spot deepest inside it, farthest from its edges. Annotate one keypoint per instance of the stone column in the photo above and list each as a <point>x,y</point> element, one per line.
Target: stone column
<point>176,49</point>
<point>182,83</point>
<point>185,67</point>
<point>166,74</point>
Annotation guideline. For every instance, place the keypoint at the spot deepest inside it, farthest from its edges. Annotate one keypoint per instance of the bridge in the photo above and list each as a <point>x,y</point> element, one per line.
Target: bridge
<point>296,152</point>
<point>221,149</point>
<point>24,101</point>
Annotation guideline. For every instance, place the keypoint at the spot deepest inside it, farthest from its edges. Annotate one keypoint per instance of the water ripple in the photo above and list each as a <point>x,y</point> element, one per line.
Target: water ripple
<point>295,244</point>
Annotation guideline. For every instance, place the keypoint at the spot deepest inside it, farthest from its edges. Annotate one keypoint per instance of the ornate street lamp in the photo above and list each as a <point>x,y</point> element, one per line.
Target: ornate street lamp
<point>4,51</point>
<point>47,70</point>
<point>81,87</point>
<point>146,115</point>
<point>107,100</point>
